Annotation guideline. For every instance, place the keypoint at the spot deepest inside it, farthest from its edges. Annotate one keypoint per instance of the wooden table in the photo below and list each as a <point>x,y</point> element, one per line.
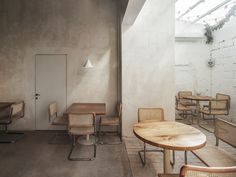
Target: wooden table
<point>170,136</point>
<point>77,108</point>
<point>198,98</point>
<point>97,108</point>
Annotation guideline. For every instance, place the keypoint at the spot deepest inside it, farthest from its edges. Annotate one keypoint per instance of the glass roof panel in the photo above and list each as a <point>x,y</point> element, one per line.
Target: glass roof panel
<point>182,6</point>
<point>202,8</point>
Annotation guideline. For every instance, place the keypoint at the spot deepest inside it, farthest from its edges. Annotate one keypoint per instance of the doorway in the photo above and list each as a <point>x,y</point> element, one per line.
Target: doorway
<point>50,85</point>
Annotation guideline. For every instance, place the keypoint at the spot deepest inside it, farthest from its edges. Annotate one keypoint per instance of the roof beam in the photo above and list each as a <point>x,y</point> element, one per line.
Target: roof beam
<point>190,8</point>
<point>212,10</point>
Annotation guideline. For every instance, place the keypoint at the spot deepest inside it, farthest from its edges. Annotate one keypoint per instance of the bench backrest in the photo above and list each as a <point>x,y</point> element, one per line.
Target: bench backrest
<point>225,131</point>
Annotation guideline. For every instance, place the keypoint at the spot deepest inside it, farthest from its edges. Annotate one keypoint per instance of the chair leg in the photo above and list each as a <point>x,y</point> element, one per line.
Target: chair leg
<point>10,137</point>
<point>186,157</point>
<point>106,143</point>
<point>173,156</point>
<point>143,160</point>
<point>207,129</point>
<point>120,133</point>
<point>73,145</point>
<point>144,151</point>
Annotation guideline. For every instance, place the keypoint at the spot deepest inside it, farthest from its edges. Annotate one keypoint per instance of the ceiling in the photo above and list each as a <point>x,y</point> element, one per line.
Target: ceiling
<point>204,12</point>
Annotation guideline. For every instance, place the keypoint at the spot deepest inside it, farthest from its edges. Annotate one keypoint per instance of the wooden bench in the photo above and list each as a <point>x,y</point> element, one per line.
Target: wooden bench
<point>214,156</point>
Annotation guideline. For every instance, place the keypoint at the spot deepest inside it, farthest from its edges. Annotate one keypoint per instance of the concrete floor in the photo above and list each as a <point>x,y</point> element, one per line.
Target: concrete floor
<point>32,156</point>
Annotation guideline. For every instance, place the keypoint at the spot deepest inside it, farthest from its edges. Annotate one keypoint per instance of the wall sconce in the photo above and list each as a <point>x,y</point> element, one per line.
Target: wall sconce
<point>88,64</point>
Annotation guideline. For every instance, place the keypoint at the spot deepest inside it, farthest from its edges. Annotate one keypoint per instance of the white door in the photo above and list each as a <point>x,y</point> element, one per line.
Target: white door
<point>50,86</point>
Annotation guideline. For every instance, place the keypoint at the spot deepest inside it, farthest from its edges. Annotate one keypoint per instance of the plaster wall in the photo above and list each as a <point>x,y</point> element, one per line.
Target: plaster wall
<point>191,70</point>
<point>224,73</point>
<point>191,56</point>
<point>148,62</point>
<point>81,29</point>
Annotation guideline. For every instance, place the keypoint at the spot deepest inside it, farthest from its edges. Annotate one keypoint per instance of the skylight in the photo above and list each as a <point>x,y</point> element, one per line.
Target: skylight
<point>203,11</point>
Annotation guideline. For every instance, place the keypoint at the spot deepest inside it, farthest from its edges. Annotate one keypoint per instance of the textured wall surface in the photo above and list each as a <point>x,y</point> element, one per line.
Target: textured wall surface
<point>148,62</point>
<point>191,70</point>
<point>79,28</point>
<point>224,73</point>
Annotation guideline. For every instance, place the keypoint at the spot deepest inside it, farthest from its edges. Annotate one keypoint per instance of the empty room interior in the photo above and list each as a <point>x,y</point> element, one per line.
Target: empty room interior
<point>118,88</point>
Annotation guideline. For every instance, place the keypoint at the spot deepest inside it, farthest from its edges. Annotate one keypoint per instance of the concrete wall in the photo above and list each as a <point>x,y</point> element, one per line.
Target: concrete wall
<point>79,28</point>
<point>191,56</point>
<point>224,73</point>
<point>148,62</point>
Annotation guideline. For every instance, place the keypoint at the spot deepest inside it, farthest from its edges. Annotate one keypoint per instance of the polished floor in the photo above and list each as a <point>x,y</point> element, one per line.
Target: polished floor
<point>32,156</point>
<point>154,163</point>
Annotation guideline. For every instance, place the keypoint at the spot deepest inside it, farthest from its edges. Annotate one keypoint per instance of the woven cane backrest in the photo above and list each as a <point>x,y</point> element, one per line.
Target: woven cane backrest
<point>219,105</point>
<point>81,120</point>
<point>17,108</point>
<point>150,114</point>
<point>53,109</point>
<point>195,171</point>
<point>220,96</point>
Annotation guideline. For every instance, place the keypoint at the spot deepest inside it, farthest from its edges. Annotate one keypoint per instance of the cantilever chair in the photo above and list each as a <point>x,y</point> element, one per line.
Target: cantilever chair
<point>114,121</point>
<point>56,120</point>
<point>82,124</point>
<point>216,107</point>
<point>184,111</point>
<point>197,171</point>
<point>184,101</point>
<point>149,115</point>
<point>15,111</point>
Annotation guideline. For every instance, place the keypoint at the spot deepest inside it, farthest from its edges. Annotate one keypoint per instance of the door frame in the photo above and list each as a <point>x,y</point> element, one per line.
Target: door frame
<point>66,55</point>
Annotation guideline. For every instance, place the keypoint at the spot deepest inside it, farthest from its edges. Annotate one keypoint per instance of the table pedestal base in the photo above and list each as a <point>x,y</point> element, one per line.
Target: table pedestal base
<point>167,165</point>
<point>86,140</point>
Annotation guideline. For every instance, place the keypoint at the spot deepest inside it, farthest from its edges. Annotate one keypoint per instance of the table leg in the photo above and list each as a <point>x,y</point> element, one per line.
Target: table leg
<point>198,111</point>
<point>166,160</point>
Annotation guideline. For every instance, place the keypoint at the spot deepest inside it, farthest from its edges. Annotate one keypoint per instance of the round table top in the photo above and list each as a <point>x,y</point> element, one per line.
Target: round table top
<point>198,97</point>
<point>170,135</point>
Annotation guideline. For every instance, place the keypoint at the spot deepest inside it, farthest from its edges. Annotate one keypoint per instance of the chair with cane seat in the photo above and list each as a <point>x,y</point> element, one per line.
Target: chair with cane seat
<point>197,171</point>
<point>114,121</point>
<point>82,124</point>
<point>56,120</point>
<point>149,115</point>
<point>13,112</point>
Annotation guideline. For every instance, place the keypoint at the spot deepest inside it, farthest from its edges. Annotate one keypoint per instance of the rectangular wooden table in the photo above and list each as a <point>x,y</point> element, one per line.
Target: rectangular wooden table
<point>97,108</point>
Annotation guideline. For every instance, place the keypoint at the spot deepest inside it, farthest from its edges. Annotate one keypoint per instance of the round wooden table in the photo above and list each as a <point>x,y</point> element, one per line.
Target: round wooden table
<point>170,136</point>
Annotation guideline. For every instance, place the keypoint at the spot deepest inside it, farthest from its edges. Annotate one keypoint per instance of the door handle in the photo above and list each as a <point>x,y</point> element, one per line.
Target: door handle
<point>37,95</point>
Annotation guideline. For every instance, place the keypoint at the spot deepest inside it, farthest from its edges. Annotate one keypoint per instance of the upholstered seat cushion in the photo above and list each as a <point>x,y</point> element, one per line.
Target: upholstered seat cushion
<point>110,121</point>
<point>181,107</point>
<point>213,112</point>
<point>60,121</point>
<point>81,130</point>
<point>188,103</point>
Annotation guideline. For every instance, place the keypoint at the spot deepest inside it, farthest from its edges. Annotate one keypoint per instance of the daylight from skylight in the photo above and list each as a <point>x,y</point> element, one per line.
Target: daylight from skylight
<point>206,12</point>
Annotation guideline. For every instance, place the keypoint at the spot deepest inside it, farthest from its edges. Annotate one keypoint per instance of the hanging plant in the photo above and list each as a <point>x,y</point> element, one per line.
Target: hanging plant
<point>208,34</point>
